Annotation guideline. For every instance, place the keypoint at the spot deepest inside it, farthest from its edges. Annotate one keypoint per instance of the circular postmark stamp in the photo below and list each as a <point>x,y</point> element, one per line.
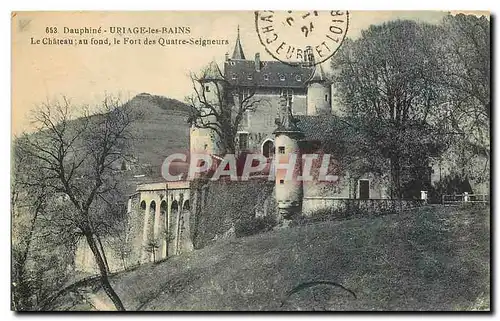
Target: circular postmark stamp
<point>297,36</point>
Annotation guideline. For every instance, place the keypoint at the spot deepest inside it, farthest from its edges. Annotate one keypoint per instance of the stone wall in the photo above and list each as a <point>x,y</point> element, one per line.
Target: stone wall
<point>220,205</point>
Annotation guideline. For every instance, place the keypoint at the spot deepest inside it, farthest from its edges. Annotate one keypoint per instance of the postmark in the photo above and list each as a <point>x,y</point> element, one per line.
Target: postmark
<point>296,36</point>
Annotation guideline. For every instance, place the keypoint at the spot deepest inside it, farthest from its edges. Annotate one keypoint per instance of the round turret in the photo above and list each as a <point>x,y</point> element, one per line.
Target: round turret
<point>319,93</point>
<point>287,154</point>
<point>288,189</point>
<point>210,86</point>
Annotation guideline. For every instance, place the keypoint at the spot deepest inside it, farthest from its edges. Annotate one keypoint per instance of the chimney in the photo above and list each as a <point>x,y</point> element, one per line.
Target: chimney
<point>227,56</point>
<point>308,57</point>
<point>257,61</point>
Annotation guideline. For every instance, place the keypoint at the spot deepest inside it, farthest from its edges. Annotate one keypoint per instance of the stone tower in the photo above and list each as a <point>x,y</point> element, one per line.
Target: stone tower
<point>288,188</point>
<point>211,86</point>
<point>319,93</point>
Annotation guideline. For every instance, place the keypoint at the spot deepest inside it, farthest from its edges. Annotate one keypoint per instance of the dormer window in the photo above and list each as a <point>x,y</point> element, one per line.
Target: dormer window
<point>250,77</point>
<point>282,77</point>
<point>266,77</point>
<point>233,76</point>
<point>298,78</point>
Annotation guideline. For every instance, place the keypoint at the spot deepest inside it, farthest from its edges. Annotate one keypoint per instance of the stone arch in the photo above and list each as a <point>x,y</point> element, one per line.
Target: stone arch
<point>151,221</point>
<point>175,205</point>
<point>163,229</point>
<point>268,148</point>
<point>174,213</point>
<point>185,243</point>
<point>186,206</point>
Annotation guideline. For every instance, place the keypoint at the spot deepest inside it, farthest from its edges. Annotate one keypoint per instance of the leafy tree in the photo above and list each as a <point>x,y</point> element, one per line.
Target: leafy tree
<point>152,245</point>
<point>25,212</point>
<point>386,82</point>
<point>464,56</point>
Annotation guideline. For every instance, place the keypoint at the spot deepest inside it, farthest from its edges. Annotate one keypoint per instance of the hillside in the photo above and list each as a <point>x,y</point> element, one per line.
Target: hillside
<point>161,131</point>
<point>434,258</point>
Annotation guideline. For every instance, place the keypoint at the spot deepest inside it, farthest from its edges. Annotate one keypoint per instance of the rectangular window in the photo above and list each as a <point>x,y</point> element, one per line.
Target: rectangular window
<point>281,149</point>
<point>326,97</point>
<point>243,141</point>
<point>245,93</point>
<point>287,92</point>
<point>282,181</point>
<point>364,189</point>
<point>207,88</point>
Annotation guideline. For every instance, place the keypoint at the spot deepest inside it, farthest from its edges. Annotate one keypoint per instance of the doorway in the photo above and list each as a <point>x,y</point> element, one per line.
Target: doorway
<point>364,189</point>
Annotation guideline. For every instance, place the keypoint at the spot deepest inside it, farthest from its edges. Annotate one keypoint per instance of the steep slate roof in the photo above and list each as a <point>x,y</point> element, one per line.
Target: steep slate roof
<point>238,49</point>
<point>212,72</point>
<point>272,74</point>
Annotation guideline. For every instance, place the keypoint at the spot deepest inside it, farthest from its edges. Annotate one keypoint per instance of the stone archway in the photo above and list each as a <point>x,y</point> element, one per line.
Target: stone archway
<point>173,220</point>
<point>185,242</point>
<point>163,232</point>
<point>150,232</point>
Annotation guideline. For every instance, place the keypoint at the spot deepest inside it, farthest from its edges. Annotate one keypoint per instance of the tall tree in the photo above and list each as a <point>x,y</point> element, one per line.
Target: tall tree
<point>27,205</point>
<point>79,160</point>
<point>385,81</point>
<point>464,54</point>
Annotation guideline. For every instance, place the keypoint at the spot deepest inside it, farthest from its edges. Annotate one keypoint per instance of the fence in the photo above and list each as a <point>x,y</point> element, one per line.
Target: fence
<point>458,199</point>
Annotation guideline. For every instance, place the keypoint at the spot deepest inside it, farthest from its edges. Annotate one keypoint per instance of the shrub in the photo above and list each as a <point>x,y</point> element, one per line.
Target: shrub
<point>254,225</point>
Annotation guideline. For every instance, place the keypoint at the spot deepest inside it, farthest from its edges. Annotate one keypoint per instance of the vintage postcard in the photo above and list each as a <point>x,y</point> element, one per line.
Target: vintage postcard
<point>251,161</point>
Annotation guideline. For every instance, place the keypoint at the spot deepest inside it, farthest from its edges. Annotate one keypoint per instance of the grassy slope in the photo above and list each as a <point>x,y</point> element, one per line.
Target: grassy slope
<point>427,259</point>
<point>162,130</point>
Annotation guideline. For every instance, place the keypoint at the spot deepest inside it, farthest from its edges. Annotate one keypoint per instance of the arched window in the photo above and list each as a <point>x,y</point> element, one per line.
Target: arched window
<point>175,206</point>
<point>186,206</point>
<point>268,148</point>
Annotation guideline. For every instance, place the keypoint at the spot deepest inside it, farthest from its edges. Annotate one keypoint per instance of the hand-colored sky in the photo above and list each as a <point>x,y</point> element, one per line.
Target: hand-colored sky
<point>86,73</point>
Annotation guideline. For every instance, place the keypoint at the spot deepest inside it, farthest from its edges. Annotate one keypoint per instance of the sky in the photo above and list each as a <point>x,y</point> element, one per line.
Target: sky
<point>85,74</point>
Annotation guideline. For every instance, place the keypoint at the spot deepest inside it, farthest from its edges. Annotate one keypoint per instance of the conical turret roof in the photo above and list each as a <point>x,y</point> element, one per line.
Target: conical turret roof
<point>318,75</point>
<point>238,49</point>
<point>212,72</point>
